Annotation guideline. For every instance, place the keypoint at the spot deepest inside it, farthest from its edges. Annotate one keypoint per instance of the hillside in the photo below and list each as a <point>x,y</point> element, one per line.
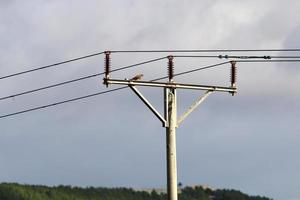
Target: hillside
<point>13,191</point>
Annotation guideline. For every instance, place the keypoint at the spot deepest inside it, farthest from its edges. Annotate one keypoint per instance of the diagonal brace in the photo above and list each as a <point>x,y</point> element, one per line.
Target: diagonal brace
<point>148,104</point>
<point>194,106</point>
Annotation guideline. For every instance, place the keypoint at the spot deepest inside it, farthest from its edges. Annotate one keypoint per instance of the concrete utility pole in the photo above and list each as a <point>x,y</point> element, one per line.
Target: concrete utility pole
<point>169,120</point>
<point>171,144</point>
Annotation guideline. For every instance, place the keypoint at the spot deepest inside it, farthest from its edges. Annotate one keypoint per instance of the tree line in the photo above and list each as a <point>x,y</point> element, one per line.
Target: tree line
<point>14,191</point>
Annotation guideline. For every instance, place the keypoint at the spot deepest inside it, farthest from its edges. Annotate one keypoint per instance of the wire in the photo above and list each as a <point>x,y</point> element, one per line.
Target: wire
<point>195,56</point>
<point>50,86</point>
<point>193,70</point>
<point>249,61</point>
<point>201,68</point>
<point>153,51</point>
<point>137,64</point>
<point>51,65</point>
<point>223,63</point>
<point>205,50</point>
<point>79,79</point>
<point>61,102</point>
<point>260,57</point>
<point>108,91</point>
<point>100,93</point>
<point>238,57</point>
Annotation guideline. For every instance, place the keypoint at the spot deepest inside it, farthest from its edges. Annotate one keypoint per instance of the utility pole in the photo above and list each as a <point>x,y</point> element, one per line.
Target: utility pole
<point>169,120</point>
<point>171,113</point>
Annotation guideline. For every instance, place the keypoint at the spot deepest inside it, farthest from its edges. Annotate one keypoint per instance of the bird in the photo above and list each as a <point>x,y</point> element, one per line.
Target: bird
<point>137,77</point>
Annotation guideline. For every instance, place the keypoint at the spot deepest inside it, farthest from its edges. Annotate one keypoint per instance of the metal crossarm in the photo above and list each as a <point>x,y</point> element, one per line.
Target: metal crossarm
<point>172,85</point>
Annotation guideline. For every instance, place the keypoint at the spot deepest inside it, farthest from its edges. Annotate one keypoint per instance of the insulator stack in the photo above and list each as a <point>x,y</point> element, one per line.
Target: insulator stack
<point>233,75</point>
<point>107,67</point>
<point>170,68</point>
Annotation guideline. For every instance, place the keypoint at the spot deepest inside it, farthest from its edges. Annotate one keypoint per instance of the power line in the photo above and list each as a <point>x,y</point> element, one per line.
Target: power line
<point>51,65</point>
<point>201,68</point>
<point>61,102</point>
<point>79,79</point>
<point>266,57</point>
<point>104,92</point>
<point>140,63</point>
<point>251,61</point>
<point>223,63</point>
<point>193,70</point>
<point>259,57</point>
<point>204,50</point>
<point>50,86</point>
<point>158,51</point>
<point>100,93</point>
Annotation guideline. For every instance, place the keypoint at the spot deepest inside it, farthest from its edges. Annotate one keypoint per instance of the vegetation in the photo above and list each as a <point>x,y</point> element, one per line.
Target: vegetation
<point>13,191</point>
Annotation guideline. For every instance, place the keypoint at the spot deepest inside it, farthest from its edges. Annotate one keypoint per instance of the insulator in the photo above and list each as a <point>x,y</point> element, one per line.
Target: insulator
<point>106,67</point>
<point>170,68</point>
<point>233,75</point>
<point>107,63</point>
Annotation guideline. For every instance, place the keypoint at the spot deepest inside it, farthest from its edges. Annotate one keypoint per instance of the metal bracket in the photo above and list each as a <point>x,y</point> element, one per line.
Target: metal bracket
<point>193,106</point>
<point>148,104</point>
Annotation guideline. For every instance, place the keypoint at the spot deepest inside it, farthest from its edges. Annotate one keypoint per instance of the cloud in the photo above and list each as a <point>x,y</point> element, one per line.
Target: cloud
<point>252,136</point>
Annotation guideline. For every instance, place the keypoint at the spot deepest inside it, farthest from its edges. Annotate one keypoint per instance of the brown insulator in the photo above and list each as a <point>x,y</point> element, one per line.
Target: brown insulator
<point>170,68</point>
<point>106,67</point>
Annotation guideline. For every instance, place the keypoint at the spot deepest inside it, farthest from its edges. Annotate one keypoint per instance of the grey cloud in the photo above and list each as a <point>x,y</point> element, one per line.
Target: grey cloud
<point>246,142</point>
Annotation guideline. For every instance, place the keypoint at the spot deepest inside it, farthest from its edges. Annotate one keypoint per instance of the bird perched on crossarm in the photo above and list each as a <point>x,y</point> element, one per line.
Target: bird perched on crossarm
<point>137,77</point>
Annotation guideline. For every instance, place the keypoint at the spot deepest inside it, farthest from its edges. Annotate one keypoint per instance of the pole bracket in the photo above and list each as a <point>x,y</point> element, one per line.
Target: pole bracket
<point>148,104</point>
<point>193,107</point>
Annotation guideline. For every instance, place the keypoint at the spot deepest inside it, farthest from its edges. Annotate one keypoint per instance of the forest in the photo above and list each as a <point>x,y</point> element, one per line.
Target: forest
<point>14,191</point>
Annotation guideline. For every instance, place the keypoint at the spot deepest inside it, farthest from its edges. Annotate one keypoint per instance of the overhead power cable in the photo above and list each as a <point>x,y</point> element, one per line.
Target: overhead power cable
<point>155,51</point>
<point>219,64</point>
<point>61,102</point>
<point>204,50</point>
<point>193,70</point>
<point>51,65</point>
<point>79,79</point>
<point>266,57</point>
<point>49,86</point>
<point>261,61</point>
<point>108,91</point>
<point>100,93</point>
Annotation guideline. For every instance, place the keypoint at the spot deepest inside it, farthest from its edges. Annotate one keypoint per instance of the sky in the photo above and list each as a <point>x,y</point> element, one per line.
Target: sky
<point>249,142</point>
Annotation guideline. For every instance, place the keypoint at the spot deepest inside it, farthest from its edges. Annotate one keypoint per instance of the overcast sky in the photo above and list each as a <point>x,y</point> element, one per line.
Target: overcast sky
<point>249,142</point>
